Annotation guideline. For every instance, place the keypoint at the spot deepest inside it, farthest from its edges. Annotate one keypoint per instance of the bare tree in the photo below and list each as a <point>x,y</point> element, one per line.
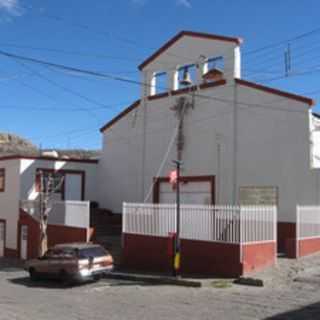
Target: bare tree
<point>47,189</point>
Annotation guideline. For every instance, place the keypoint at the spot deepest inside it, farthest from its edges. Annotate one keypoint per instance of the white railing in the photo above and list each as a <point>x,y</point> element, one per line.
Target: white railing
<point>308,222</point>
<point>154,219</point>
<point>208,223</point>
<point>32,207</point>
<point>67,213</point>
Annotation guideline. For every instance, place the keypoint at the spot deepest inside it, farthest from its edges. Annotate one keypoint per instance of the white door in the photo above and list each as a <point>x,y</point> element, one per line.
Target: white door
<point>2,238</point>
<point>24,242</point>
<point>73,186</point>
<point>190,193</point>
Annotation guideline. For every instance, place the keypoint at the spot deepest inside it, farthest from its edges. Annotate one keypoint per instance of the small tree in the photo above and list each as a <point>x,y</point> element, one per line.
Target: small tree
<point>48,187</point>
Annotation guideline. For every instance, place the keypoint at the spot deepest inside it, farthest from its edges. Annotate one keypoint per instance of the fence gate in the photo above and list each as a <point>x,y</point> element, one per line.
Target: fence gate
<point>2,238</point>
<point>24,242</point>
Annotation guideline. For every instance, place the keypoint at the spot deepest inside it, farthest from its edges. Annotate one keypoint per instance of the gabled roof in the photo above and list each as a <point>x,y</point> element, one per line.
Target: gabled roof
<point>280,93</point>
<point>191,34</point>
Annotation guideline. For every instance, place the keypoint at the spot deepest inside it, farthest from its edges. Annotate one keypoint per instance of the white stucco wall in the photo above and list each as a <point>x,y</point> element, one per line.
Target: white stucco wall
<point>274,149</point>
<point>272,144</point>
<point>120,167</point>
<point>9,200</point>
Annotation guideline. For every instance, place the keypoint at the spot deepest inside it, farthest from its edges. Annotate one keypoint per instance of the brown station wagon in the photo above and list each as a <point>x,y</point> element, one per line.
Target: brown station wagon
<point>74,261</point>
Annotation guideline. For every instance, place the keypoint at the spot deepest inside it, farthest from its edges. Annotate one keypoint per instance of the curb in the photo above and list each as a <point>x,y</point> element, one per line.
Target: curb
<point>249,282</point>
<point>154,279</point>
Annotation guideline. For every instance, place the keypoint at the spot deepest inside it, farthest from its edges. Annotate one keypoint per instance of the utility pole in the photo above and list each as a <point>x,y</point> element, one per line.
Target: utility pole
<point>176,268</point>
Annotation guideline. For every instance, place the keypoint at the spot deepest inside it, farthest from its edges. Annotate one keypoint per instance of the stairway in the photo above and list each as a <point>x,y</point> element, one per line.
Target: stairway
<point>107,231</point>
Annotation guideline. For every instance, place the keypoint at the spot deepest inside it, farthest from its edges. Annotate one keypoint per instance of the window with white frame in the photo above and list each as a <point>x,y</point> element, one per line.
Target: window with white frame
<point>159,83</point>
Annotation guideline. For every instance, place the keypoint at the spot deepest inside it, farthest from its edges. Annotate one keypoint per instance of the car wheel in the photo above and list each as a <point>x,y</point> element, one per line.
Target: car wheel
<point>63,276</point>
<point>33,274</point>
<point>97,277</point>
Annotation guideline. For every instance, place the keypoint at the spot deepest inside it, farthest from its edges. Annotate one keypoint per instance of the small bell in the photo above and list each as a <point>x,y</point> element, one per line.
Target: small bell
<point>186,79</point>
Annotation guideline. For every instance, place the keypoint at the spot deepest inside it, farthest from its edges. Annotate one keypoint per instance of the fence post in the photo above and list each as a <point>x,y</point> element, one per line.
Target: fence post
<point>124,221</point>
<point>240,233</point>
<point>275,231</point>
<point>297,230</point>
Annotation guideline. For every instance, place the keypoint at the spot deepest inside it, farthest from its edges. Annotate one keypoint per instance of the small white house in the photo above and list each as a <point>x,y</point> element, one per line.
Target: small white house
<point>243,143</point>
<point>19,195</point>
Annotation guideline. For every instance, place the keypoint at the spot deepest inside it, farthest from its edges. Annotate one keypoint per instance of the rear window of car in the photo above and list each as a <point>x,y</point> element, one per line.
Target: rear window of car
<point>92,252</point>
<point>63,253</point>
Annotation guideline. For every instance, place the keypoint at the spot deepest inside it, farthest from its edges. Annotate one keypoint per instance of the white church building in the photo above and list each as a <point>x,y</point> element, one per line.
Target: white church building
<point>241,142</point>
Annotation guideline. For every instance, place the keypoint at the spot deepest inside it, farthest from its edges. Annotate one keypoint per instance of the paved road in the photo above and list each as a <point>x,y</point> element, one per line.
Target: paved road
<point>111,299</point>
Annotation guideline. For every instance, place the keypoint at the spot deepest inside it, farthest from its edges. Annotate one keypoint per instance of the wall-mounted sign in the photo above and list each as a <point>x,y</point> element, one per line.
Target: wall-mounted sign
<point>254,195</point>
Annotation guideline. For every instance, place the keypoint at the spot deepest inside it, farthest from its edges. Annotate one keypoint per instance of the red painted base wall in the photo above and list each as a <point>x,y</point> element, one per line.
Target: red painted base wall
<point>146,253</point>
<point>308,246</point>
<point>210,258</point>
<point>56,234</point>
<point>258,256</point>
<point>287,238</point>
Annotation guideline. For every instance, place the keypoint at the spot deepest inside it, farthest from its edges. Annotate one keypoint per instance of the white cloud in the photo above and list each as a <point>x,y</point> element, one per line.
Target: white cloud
<point>11,7</point>
<point>184,3</point>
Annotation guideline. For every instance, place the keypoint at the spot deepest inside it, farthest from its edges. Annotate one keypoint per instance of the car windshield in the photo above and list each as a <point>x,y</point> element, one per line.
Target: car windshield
<point>87,253</point>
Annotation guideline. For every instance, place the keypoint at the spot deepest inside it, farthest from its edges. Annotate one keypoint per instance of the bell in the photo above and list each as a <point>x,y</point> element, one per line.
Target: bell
<point>186,79</point>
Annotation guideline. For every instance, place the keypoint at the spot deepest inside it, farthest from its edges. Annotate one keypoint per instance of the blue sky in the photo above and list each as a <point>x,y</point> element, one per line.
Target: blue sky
<point>62,110</point>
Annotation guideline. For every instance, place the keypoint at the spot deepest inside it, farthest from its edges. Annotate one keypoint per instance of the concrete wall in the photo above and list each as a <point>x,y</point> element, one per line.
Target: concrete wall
<point>273,149</point>
<point>9,201</point>
<point>208,125</point>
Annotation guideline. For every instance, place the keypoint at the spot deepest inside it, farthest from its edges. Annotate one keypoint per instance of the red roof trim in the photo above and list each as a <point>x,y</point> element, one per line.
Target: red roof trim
<point>191,34</point>
<point>285,94</point>
<point>18,157</point>
<point>213,84</point>
<point>158,96</point>
<point>120,115</point>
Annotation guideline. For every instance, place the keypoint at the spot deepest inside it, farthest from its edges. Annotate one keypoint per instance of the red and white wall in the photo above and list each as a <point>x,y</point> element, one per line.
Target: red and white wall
<point>21,184</point>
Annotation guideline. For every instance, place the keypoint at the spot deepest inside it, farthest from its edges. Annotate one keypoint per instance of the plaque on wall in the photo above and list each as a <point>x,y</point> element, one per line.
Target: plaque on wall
<point>254,195</point>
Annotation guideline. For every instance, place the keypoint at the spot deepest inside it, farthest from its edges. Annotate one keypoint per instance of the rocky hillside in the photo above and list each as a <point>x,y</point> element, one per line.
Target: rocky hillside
<point>11,144</point>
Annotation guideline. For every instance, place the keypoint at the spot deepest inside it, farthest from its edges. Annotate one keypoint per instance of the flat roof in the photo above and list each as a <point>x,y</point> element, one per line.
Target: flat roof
<point>46,158</point>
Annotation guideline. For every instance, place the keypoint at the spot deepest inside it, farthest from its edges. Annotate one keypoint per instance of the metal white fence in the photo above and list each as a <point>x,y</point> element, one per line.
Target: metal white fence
<point>230,224</point>
<point>308,222</point>
<point>67,213</point>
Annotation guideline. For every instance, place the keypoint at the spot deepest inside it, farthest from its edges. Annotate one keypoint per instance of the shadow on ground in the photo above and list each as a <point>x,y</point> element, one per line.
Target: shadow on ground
<point>10,265</point>
<point>56,284</point>
<point>310,312</point>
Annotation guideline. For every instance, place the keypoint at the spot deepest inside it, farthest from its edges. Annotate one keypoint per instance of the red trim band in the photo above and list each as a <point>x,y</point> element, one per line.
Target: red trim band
<point>285,94</point>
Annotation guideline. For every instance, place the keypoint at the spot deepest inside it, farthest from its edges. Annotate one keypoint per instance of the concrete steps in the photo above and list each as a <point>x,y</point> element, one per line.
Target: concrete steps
<point>107,231</point>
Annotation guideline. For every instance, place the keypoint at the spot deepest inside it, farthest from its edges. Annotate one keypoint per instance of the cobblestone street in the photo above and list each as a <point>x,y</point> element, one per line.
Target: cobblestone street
<point>111,299</point>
